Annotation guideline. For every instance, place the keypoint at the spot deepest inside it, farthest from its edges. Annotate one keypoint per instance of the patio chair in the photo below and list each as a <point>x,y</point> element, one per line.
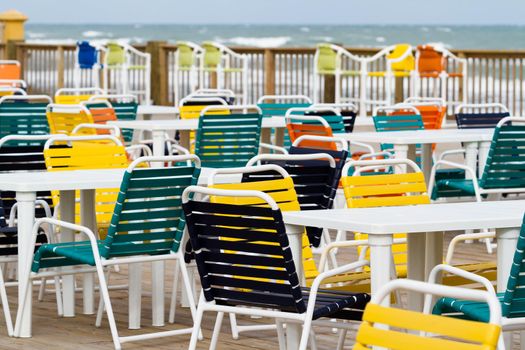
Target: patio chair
<point>127,71</point>
<point>479,116</point>
<point>348,112</point>
<point>75,96</point>
<point>278,105</point>
<point>24,115</point>
<point>229,67</point>
<point>228,140</point>
<point>244,283</point>
<point>147,226</point>
<point>9,90</point>
<point>434,63</point>
<point>10,70</point>
<point>88,64</point>
<point>394,328</point>
<point>186,69</point>
<point>433,111</point>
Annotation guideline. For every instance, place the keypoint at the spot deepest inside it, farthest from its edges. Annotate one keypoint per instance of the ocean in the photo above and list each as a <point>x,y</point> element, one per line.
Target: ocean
<point>463,37</point>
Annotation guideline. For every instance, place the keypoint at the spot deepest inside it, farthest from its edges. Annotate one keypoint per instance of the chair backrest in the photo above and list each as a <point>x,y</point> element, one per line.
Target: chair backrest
<point>84,152</point>
<point>125,107</point>
<point>333,117</point>
<point>430,60</point>
<point>227,140</point>
<point>115,55</point>
<point>10,70</point>
<point>148,212</point>
<point>185,55</point>
<point>87,55</point>
<point>397,118</point>
<point>63,119</point>
<point>326,62</point>
<point>212,55</point>
<point>407,64</point>
<point>348,112</point>
<point>432,110</point>
<point>298,126</point>
<point>101,112</point>
<point>315,176</point>
<point>506,159</point>
<point>75,95</point>
<point>277,105</point>
<point>479,116</point>
<point>24,115</point>
<point>192,107</point>
<point>10,90</point>
<point>235,242</point>
<point>22,153</point>
<point>413,330</point>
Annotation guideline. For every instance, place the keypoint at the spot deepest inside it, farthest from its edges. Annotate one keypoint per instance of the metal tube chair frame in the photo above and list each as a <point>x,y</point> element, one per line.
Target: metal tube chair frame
<point>124,68</point>
<point>196,52</point>
<point>425,327</point>
<point>17,83</point>
<point>223,66</point>
<point>209,92</point>
<point>443,76</point>
<point>101,263</point>
<point>9,91</point>
<point>206,304</point>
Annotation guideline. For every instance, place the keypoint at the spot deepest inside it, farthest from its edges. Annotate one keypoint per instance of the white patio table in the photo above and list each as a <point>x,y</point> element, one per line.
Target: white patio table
<point>26,185</point>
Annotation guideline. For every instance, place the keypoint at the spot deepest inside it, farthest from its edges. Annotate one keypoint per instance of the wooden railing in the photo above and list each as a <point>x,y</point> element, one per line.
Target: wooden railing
<point>493,76</point>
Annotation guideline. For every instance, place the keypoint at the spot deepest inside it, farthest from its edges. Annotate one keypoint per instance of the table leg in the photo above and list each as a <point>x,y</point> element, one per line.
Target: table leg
<point>67,213</point>
<point>471,156</point>
<point>484,148</point>
<point>416,267</point>
<point>135,294</point>
<point>433,251</point>
<point>426,160</point>
<point>380,261</point>
<point>185,139</point>
<point>400,152</point>
<point>88,219</point>
<point>26,219</point>
<point>295,237</point>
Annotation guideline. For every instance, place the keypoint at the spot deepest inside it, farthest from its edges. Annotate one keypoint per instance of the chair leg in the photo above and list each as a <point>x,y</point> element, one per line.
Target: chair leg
<point>307,326</point>
<point>58,295</point>
<point>280,334</point>
<point>107,303</point>
<point>189,291</point>
<point>42,289</point>
<point>173,303</point>
<point>313,343</point>
<point>101,308</point>
<point>5,306</point>
<point>196,325</point>
<point>233,325</point>
<point>522,340</point>
<point>216,330</point>
<point>341,340</point>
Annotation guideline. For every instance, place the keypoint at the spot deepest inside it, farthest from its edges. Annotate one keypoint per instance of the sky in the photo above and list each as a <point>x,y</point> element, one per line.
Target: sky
<point>430,12</point>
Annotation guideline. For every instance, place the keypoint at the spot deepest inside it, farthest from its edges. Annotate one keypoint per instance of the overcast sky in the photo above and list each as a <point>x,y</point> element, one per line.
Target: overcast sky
<point>272,11</point>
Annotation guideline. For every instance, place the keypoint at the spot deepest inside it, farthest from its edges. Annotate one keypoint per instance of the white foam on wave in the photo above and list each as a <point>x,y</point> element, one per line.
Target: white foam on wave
<point>444,29</point>
<point>328,39</point>
<point>35,35</point>
<point>275,41</point>
<point>305,29</point>
<point>95,34</point>
<point>380,39</point>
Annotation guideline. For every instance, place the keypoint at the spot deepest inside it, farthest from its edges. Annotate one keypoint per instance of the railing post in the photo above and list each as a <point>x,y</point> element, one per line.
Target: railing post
<point>329,89</point>
<point>60,67</point>
<point>159,71</point>
<point>269,72</point>
<point>399,94</point>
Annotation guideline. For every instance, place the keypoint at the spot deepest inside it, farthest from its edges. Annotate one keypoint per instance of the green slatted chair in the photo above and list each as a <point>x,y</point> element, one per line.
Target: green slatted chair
<point>505,167</point>
<point>125,107</point>
<point>228,140</point>
<point>147,226</point>
<point>24,115</point>
<point>396,118</point>
<point>512,300</point>
<point>277,105</point>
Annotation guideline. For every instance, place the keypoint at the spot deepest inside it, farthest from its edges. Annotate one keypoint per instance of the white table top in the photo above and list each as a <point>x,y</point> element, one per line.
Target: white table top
<point>81,180</point>
<point>410,219</point>
<point>422,136</point>
<point>157,110</point>
<point>183,124</point>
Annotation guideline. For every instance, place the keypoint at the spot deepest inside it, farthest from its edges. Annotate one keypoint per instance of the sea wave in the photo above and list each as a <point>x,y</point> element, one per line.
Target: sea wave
<point>36,35</point>
<point>95,34</point>
<point>275,41</point>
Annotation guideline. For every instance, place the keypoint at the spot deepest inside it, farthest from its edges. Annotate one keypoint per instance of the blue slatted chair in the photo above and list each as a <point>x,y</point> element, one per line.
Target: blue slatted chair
<point>87,55</point>
<point>479,116</point>
<point>24,115</point>
<point>147,226</point>
<point>505,168</point>
<point>228,140</point>
<point>235,244</point>
<point>512,300</point>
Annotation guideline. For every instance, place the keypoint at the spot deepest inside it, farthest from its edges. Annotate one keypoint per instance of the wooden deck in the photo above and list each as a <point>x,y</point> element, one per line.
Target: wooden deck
<point>53,332</point>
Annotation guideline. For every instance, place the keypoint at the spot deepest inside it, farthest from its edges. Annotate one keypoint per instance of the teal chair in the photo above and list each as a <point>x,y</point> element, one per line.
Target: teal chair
<point>277,105</point>
<point>24,115</point>
<point>504,170</point>
<point>512,301</point>
<point>228,140</point>
<point>147,225</point>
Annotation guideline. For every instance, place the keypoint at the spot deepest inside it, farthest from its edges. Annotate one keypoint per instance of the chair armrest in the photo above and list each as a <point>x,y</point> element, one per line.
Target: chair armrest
<point>451,152</point>
<point>459,166</point>
<point>139,147</point>
<point>374,155</point>
<point>175,148</point>
<point>465,237</point>
<point>38,202</point>
<point>271,147</point>
<point>369,148</point>
<point>432,278</point>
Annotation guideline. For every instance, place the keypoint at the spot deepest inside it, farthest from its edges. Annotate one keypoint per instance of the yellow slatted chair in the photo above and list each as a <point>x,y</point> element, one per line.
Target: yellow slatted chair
<point>63,119</point>
<point>75,96</point>
<point>365,190</point>
<point>412,330</point>
<point>65,153</point>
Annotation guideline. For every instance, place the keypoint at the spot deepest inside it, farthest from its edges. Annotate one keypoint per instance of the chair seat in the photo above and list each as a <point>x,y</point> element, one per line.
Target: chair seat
<point>8,231</point>
<point>474,310</point>
<point>464,185</point>
<point>395,74</point>
<point>338,304</point>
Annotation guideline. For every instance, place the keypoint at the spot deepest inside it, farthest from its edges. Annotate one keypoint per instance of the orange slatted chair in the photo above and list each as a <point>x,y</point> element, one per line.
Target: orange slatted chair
<point>298,126</point>
<point>10,70</point>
